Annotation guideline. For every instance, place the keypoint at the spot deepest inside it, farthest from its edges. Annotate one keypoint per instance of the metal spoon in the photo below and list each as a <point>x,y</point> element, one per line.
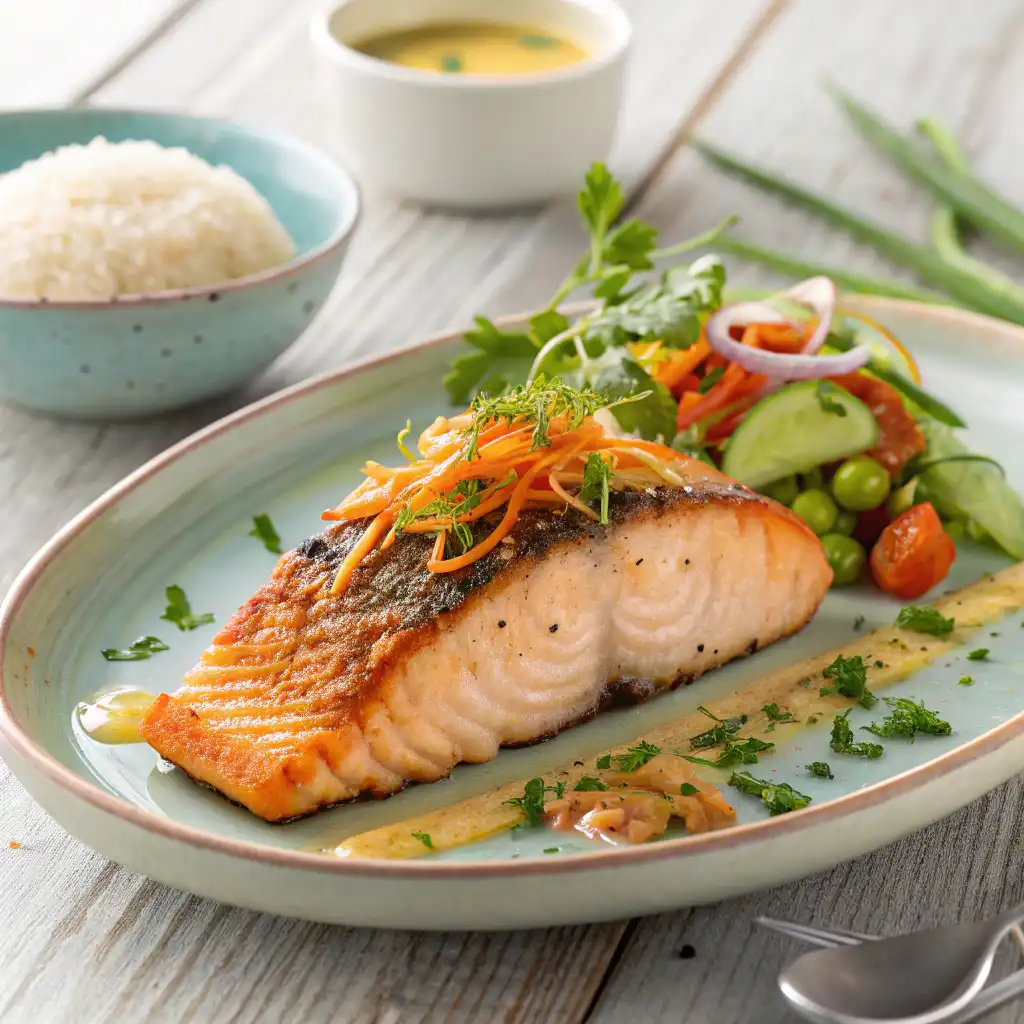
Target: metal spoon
<point>919,978</point>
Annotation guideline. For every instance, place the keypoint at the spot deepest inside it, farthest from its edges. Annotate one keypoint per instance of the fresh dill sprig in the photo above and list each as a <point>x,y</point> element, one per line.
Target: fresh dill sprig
<point>596,477</point>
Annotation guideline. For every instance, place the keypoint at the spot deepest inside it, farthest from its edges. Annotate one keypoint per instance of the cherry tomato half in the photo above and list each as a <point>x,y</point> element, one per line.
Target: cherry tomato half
<point>913,553</point>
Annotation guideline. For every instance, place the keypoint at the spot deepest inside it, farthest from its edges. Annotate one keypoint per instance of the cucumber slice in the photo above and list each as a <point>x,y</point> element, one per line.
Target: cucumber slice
<point>789,432</point>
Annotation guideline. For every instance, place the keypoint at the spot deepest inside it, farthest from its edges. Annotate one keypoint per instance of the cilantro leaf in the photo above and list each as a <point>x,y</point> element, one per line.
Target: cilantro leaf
<point>923,618</point>
<point>616,374</point>
<point>776,716</point>
<point>634,758</point>
<point>263,530</point>
<point>424,838</point>
<point>179,611</point>
<point>778,797</point>
<point>742,751</point>
<point>630,244</point>
<point>908,718</point>
<point>501,358</point>
<point>722,732</point>
<point>531,803</point>
<point>545,326</point>
<point>851,676</point>
<point>688,789</point>
<point>981,654</point>
<point>965,681</point>
<point>589,783</point>
<point>141,649</point>
<point>596,475</point>
<point>820,769</point>
<point>842,740</point>
<point>600,202</point>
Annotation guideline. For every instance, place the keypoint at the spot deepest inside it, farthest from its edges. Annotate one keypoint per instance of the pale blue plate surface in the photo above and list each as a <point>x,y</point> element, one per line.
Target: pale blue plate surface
<point>187,522</point>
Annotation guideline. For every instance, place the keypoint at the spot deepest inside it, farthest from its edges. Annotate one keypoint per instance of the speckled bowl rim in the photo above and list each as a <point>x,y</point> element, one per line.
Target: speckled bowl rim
<point>200,292</point>
<point>709,842</point>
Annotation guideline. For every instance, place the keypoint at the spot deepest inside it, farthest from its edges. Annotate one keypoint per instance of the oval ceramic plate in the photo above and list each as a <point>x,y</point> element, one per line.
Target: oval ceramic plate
<point>185,519</point>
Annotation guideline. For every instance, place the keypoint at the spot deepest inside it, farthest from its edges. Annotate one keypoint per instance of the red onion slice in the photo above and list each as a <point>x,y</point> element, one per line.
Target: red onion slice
<point>816,293</point>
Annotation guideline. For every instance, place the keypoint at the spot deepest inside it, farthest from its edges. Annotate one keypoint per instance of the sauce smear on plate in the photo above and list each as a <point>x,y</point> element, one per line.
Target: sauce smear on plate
<point>114,717</point>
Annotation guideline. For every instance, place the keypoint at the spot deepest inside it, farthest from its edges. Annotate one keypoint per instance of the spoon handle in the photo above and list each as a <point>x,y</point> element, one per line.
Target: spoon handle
<point>989,999</point>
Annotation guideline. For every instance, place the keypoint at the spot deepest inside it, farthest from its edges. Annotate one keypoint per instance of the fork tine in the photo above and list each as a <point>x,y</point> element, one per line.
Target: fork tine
<point>819,936</point>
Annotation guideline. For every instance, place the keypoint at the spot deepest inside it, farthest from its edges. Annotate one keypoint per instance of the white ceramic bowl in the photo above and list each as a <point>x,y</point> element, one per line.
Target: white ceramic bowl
<point>473,141</point>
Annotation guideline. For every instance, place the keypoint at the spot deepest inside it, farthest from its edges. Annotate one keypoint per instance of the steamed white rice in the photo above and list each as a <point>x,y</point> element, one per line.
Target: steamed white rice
<point>130,218</point>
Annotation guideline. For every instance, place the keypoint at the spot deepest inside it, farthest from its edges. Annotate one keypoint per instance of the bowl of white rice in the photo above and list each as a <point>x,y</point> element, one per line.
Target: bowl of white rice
<point>149,261</point>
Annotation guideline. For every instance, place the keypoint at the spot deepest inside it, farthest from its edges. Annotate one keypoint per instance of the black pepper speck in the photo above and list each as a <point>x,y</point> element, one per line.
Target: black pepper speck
<point>501,623</point>
<point>214,297</point>
<point>137,328</point>
<point>687,952</point>
<point>700,648</point>
<point>553,628</point>
<point>639,560</point>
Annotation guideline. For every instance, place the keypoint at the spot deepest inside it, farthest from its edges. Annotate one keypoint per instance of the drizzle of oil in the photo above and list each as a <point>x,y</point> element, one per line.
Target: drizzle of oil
<point>115,716</point>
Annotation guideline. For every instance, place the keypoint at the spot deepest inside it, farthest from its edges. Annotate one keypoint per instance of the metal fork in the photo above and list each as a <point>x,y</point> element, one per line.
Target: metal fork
<point>989,999</point>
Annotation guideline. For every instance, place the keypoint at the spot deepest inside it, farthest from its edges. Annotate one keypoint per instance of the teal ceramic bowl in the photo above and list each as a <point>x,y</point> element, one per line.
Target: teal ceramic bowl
<point>146,354</point>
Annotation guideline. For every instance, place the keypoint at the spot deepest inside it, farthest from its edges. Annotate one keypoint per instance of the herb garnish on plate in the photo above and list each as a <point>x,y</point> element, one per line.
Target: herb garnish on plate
<point>179,611</point>
<point>778,797</point>
<point>143,648</point>
<point>851,676</point>
<point>842,740</point>
<point>908,718</point>
<point>263,530</point>
<point>925,619</point>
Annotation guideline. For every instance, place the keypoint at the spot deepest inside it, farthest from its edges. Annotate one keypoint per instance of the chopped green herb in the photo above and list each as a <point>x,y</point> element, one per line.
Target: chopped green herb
<point>742,752</point>
<point>907,719</point>
<point>851,676</point>
<point>634,758</point>
<point>589,783</point>
<point>537,41</point>
<point>688,789</point>
<point>424,838</point>
<point>531,803</point>
<point>965,681</point>
<point>827,400</point>
<point>858,623</point>
<point>553,849</point>
<point>820,769</point>
<point>720,733</point>
<point>925,619</point>
<point>981,654</point>
<point>179,611</point>
<point>709,380</point>
<point>778,797</point>
<point>842,740</point>
<point>775,716</point>
<point>596,475</point>
<point>451,62</point>
<point>263,530</point>
<point>812,719</point>
<point>143,648</point>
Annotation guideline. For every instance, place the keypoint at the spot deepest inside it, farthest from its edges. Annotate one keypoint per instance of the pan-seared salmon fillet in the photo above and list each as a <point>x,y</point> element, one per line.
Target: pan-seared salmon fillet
<point>306,698</point>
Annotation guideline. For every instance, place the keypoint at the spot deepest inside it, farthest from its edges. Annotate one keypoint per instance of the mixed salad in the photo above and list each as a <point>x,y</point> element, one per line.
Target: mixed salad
<point>817,407</point>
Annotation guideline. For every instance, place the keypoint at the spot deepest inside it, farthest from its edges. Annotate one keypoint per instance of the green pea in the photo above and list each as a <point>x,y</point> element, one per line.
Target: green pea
<point>904,498</point>
<point>784,490</point>
<point>846,522</point>
<point>861,484</point>
<point>813,480</point>
<point>817,509</point>
<point>845,556</point>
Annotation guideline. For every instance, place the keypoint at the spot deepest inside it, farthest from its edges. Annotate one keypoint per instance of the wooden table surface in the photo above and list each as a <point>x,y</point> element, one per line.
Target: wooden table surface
<point>86,941</point>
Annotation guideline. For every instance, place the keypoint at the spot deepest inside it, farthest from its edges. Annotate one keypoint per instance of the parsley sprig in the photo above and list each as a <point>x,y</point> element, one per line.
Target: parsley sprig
<point>842,740</point>
<point>851,677</point>
<point>923,618</point>
<point>140,650</point>
<point>776,716</point>
<point>179,611</point>
<point>633,759</point>
<point>531,803</point>
<point>778,797</point>
<point>907,718</point>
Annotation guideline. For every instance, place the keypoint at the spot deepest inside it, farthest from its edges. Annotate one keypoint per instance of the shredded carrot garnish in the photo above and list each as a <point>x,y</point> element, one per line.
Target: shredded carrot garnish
<point>538,447</point>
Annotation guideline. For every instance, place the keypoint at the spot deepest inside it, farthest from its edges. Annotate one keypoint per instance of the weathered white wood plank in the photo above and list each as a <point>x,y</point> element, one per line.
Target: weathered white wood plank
<point>957,64</point>
<point>711,965</point>
<point>52,51</point>
<point>96,943</point>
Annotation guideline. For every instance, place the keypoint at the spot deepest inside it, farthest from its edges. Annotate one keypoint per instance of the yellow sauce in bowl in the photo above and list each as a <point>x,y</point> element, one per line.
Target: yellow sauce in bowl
<point>474,48</point>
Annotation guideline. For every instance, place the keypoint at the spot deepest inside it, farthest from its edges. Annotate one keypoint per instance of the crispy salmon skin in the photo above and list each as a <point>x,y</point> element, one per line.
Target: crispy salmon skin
<point>307,698</point>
